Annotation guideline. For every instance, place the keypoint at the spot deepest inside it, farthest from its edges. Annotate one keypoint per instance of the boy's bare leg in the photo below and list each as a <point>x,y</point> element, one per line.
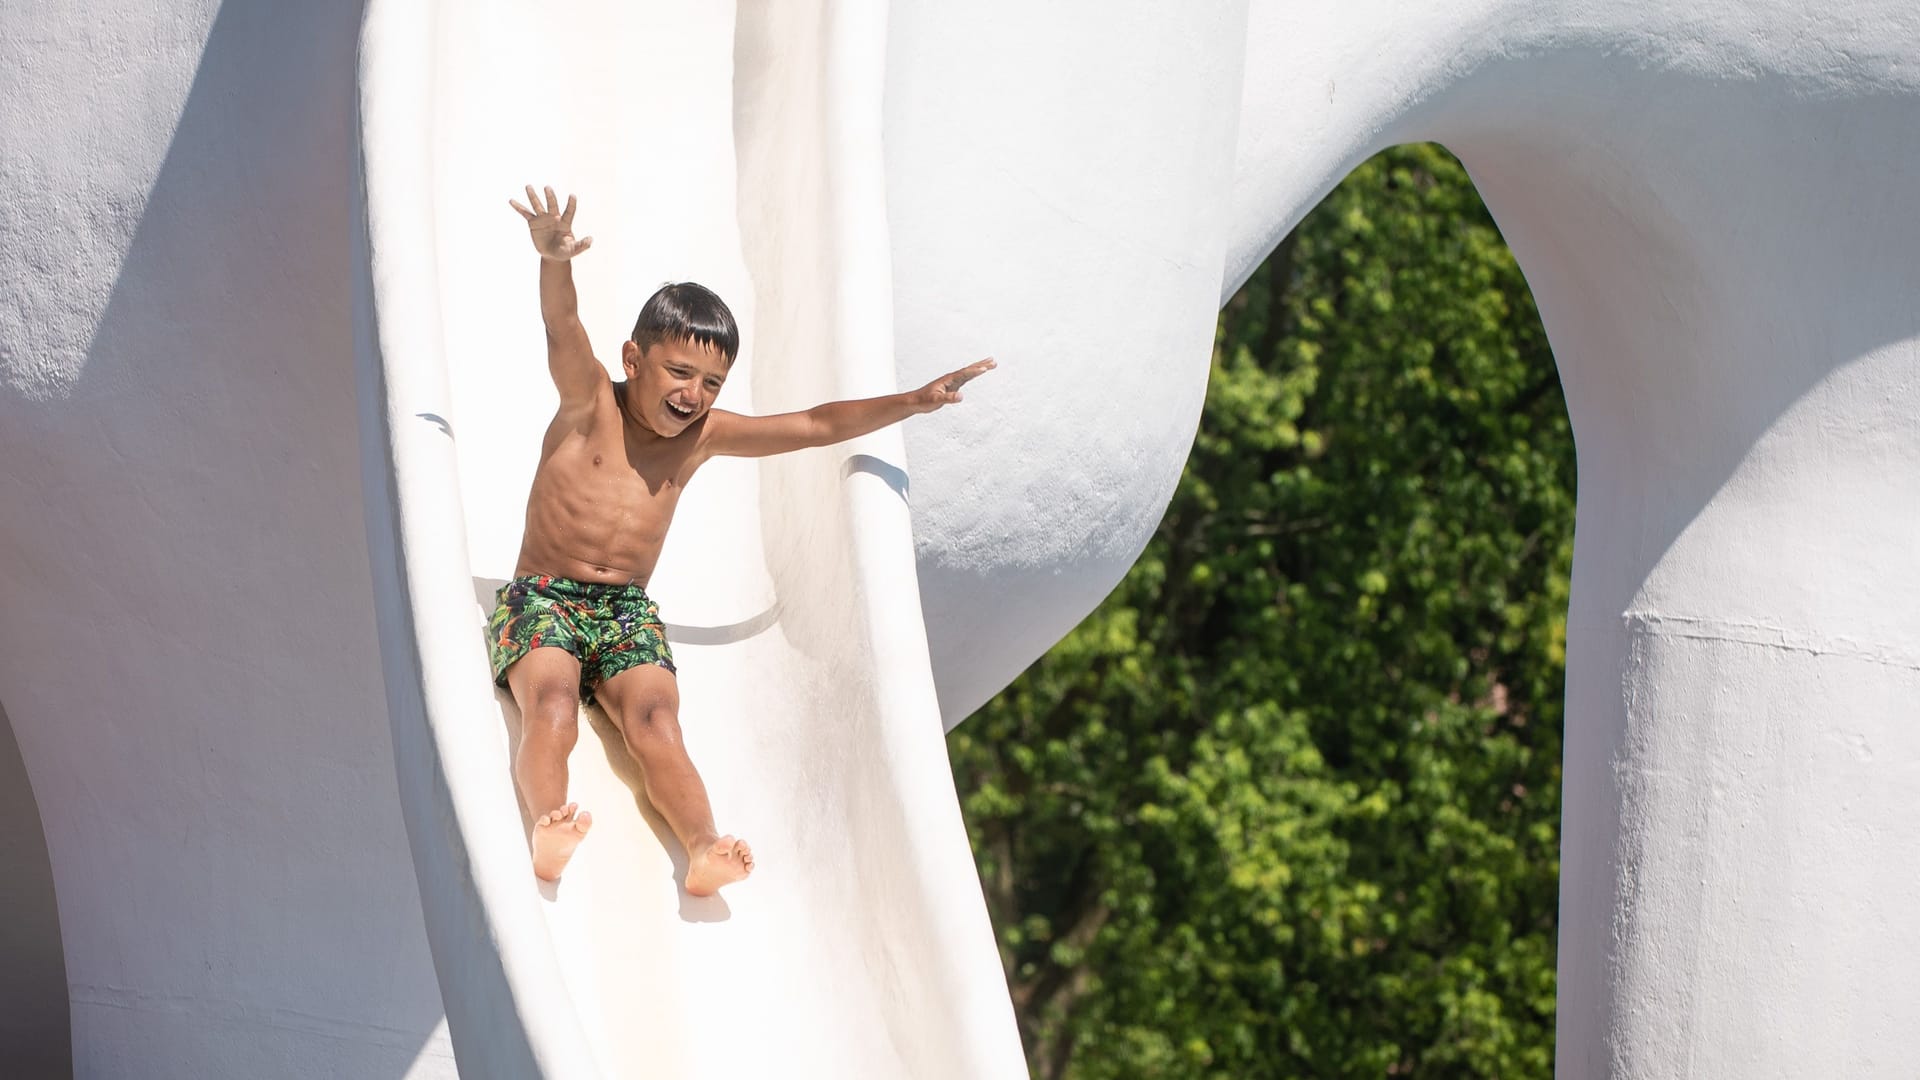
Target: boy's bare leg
<point>645,702</point>
<point>546,686</point>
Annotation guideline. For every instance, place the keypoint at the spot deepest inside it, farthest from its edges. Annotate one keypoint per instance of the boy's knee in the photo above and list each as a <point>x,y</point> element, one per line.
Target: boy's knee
<point>652,723</point>
<point>552,706</point>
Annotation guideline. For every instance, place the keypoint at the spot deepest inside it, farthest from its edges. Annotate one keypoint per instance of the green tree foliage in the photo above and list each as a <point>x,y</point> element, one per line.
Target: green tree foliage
<point>1287,803</point>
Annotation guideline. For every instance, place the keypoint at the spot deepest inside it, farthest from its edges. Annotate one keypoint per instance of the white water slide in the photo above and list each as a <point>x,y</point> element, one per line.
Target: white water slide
<point>861,947</point>
<point>272,382</point>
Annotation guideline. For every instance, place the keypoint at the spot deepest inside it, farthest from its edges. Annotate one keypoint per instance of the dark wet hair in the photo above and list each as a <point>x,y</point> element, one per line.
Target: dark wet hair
<point>683,311</point>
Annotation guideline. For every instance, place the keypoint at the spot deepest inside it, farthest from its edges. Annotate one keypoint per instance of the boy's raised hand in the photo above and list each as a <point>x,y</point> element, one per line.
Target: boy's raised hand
<point>945,390</point>
<point>552,228</point>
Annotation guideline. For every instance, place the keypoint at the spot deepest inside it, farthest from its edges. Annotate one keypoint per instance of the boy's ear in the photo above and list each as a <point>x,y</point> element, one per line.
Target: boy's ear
<point>630,357</point>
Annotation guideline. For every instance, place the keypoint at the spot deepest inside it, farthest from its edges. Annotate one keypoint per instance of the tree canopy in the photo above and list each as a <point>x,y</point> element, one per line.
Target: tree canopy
<point>1287,803</point>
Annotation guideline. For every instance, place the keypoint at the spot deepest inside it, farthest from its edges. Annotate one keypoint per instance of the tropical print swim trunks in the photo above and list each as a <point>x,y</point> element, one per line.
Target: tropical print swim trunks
<point>608,628</point>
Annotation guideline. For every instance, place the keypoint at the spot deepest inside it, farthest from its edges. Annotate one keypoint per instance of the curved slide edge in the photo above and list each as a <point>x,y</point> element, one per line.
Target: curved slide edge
<point>499,984</point>
<point>882,966</point>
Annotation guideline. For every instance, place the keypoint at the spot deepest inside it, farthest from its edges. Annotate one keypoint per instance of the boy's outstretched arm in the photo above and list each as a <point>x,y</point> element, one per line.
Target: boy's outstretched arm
<point>569,354</point>
<point>734,435</point>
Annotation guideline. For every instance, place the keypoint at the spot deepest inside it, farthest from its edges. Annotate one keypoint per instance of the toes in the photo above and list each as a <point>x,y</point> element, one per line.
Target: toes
<point>545,820</point>
<point>582,822</point>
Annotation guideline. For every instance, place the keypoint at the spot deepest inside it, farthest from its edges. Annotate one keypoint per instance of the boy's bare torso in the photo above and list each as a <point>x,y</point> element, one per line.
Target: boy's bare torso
<point>604,493</point>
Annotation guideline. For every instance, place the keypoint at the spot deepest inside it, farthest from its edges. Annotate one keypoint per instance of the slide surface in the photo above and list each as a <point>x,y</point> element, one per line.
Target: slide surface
<point>746,157</point>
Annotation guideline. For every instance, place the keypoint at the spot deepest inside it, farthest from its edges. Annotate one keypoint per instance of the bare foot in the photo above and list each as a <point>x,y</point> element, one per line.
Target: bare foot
<point>722,862</point>
<point>555,836</point>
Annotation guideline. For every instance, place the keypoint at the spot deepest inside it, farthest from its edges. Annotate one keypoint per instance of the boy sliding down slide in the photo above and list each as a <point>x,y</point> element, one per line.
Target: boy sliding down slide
<point>574,624</point>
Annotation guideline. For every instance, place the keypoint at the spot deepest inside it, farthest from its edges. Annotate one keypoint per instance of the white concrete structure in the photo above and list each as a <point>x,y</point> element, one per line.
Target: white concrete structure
<point>1718,208</point>
<point>188,654</point>
<point>269,388</point>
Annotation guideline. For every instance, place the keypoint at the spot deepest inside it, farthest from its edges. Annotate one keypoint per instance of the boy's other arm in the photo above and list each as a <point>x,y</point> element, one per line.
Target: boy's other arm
<point>733,435</point>
<point>570,360</point>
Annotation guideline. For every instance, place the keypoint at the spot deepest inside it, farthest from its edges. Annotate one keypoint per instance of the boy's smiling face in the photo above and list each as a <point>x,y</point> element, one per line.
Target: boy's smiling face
<point>672,383</point>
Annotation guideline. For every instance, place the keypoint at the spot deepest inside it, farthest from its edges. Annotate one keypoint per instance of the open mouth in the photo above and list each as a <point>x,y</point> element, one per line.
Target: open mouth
<point>684,414</point>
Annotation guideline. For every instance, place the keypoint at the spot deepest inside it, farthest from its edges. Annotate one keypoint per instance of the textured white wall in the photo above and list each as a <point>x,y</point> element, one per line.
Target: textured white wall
<point>1056,186</point>
<point>187,648</point>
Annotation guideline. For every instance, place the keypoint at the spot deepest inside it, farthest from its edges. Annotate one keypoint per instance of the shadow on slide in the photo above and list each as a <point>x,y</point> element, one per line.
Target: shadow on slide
<point>485,590</point>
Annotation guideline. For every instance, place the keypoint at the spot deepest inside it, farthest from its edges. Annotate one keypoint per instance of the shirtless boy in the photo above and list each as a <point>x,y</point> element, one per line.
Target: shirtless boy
<point>575,624</point>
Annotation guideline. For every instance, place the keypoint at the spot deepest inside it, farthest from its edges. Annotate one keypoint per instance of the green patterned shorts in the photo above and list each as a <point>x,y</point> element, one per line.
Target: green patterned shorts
<point>608,628</point>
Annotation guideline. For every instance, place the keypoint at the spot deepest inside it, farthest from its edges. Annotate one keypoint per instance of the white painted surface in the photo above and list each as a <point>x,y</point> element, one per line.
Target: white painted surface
<point>1056,185</point>
<point>1715,206</point>
<point>187,643</point>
